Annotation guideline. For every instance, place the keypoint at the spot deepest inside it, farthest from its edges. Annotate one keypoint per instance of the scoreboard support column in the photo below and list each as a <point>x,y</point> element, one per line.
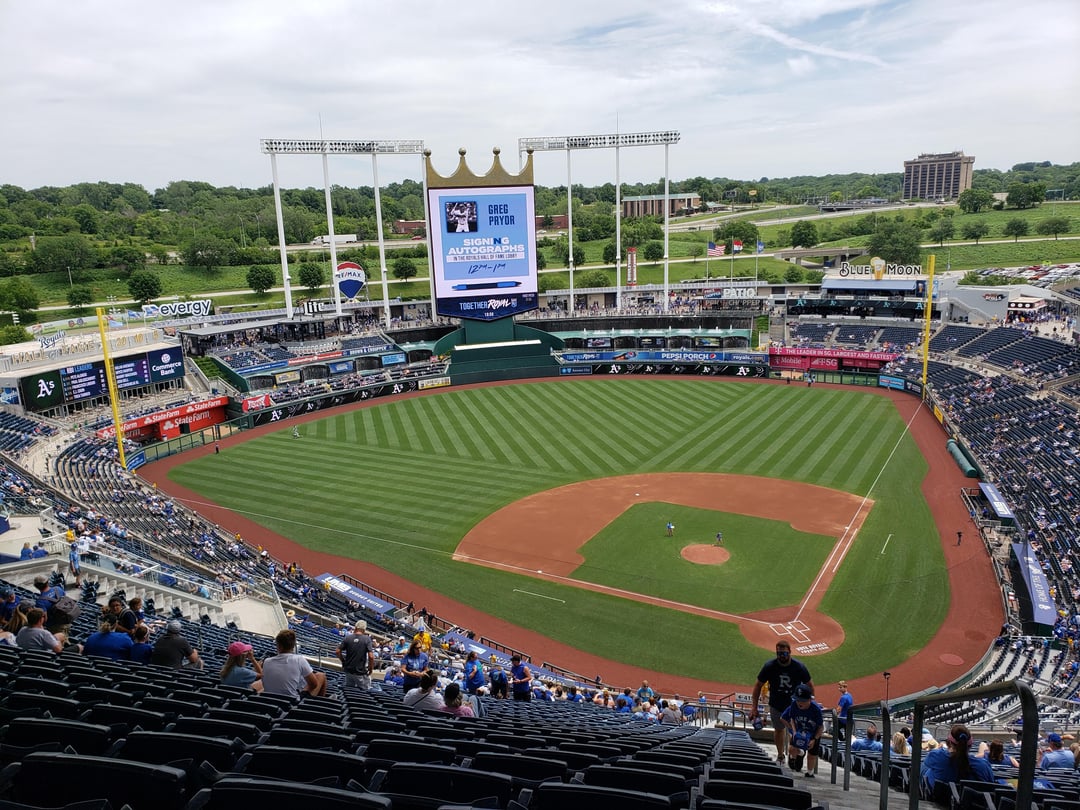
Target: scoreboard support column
<point>110,378</point>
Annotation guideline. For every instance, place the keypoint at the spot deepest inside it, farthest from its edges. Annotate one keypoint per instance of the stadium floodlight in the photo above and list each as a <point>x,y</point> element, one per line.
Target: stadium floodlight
<point>568,143</point>
<point>301,146</point>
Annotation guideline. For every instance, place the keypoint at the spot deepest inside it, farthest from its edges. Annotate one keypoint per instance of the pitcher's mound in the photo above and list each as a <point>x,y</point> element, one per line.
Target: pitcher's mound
<point>705,554</point>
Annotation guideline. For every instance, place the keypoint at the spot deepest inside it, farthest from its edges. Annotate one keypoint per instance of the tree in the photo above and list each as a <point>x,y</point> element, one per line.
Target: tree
<point>126,259</point>
<point>1025,195</point>
<point>207,252</point>
<point>1053,225</point>
<point>144,285</point>
<point>975,230</point>
<point>541,261</point>
<point>974,200</point>
<point>896,242</point>
<point>942,229</point>
<point>1016,228</point>
<point>14,334</point>
<point>793,274</point>
<point>311,276</point>
<point>579,255</point>
<point>741,229</point>
<point>548,282</point>
<point>696,250</point>
<point>72,254</point>
<point>653,251</point>
<point>19,294</point>
<point>261,277</point>
<point>79,297</point>
<point>609,253</point>
<point>804,234</point>
<point>593,278</point>
<point>403,268</point>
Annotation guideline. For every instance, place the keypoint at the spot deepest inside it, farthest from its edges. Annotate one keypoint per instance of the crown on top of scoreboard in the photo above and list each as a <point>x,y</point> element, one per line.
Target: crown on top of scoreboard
<point>497,175</point>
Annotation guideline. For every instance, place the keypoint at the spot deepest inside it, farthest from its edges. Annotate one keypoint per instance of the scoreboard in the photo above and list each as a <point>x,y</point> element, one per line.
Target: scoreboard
<point>84,381</point>
<point>72,384</point>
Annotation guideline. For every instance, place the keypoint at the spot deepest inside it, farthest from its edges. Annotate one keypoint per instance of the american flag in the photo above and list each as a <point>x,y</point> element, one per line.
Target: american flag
<point>715,250</point>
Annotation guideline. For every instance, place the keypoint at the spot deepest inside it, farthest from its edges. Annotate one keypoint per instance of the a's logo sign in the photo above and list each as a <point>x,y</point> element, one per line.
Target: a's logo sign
<point>45,388</point>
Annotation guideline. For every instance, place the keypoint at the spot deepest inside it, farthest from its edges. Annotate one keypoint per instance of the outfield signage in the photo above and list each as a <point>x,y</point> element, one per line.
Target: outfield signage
<point>483,247</point>
<point>354,594</point>
<point>895,383</point>
<point>1042,603</point>
<point>685,369</point>
<point>434,382</point>
<point>840,354</point>
<point>997,501</point>
<point>180,415</point>
<point>878,269</point>
<point>661,356</point>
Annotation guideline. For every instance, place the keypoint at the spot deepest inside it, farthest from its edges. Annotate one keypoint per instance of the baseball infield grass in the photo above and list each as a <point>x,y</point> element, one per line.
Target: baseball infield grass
<point>399,484</point>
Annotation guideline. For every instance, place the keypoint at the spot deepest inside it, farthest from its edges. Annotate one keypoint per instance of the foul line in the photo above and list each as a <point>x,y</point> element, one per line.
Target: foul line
<point>539,595</point>
<point>887,539</point>
<point>841,549</point>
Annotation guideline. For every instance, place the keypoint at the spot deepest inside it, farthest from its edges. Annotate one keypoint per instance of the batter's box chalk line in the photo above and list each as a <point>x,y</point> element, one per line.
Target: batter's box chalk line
<point>798,631</point>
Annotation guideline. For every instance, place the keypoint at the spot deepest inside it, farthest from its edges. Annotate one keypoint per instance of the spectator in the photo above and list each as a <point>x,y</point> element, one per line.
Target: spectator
<point>173,650</point>
<point>288,673</point>
<point>474,674</point>
<point>110,641</point>
<point>424,695</point>
<point>48,596</point>
<point>12,627</point>
<point>806,724</point>
<point>670,715</point>
<point>413,666</point>
<point>782,674</point>
<point>871,742</point>
<point>141,649</point>
<point>9,601</point>
<point>1055,755</point>
<point>236,670</point>
<point>520,679</point>
<point>994,753</point>
<point>500,684</point>
<point>900,745</point>
<point>845,702</point>
<point>34,636</point>
<point>951,763</point>
<point>453,703</point>
<point>357,657</point>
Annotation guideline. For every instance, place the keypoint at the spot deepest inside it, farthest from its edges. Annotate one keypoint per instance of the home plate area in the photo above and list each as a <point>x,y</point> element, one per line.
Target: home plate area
<point>798,632</point>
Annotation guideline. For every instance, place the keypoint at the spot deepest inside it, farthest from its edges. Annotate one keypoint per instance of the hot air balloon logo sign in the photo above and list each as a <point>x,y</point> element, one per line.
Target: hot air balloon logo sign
<point>350,278</point>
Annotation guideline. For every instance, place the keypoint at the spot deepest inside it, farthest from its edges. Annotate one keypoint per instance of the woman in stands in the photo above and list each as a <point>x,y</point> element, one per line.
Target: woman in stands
<point>413,666</point>
<point>900,744</point>
<point>952,762</point>
<point>994,753</point>
<point>452,699</point>
<point>424,696</point>
<point>237,672</point>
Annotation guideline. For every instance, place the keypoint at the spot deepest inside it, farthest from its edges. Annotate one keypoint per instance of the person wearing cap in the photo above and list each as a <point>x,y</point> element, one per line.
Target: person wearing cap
<point>241,668</point>
<point>952,762</point>
<point>73,563</point>
<point>805,721</point>
<point>782,673</point>
<point>9,603</point>
<point>172,649</point>
<point>288,672</point>
<point>1056,755</point>
<point>357,657</point>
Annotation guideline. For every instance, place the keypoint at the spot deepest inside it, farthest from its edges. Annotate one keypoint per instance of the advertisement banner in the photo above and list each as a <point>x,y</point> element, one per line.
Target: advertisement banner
<point>631,267</point>
<point>483,246</point>
<point>354,594</point>
<point>278,413</point>
<point>896,383</point>
<point>172,414</point>
<point>840,354</point>
<point>165,364</point>
<point>665,356</point>
<point>350,279</point>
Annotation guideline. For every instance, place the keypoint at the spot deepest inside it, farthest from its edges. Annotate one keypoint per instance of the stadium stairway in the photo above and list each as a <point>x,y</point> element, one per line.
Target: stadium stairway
<point>863,794</point>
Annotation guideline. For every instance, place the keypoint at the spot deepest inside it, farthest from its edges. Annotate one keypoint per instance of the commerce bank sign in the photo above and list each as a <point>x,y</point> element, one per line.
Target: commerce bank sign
<point>878,269</point>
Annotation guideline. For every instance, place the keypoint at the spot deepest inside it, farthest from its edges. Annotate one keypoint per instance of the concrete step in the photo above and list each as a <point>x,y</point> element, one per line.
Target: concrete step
<point>862,793</point>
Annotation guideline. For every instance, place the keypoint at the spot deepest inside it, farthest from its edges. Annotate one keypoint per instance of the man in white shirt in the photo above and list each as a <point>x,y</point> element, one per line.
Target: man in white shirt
<point>288,673</point>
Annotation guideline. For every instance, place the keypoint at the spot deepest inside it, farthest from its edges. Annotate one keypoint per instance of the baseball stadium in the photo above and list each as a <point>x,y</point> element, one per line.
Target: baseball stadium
<point>619,501</point>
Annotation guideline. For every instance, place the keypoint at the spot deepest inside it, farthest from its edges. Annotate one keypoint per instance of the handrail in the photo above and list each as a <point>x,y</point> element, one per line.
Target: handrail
<point>1029,713</point>
<point>884,733</point>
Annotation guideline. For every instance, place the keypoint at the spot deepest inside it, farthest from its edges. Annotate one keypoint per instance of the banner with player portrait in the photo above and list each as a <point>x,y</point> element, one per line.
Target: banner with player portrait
<point>483,247</point>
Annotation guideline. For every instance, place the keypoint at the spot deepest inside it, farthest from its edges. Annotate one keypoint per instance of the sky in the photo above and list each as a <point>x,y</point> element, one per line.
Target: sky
<point>152,92</point>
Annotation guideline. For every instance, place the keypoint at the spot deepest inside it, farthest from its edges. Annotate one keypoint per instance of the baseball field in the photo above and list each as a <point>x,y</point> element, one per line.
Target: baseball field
<point>545,504</point>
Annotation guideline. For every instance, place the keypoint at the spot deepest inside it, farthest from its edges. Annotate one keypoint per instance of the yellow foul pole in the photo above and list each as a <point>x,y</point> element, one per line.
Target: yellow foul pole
<point>110,378</point>
<point>927,308</point>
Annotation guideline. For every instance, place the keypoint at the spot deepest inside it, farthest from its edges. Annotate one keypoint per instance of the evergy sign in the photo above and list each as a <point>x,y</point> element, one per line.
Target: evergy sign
<point>183,309</point>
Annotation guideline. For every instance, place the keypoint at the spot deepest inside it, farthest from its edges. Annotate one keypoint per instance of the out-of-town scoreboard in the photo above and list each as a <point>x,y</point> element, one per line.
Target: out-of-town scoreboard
<point>70,385</point>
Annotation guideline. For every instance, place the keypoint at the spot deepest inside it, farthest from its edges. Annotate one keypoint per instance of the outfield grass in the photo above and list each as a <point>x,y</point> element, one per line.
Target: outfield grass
<point>771,564</point>
<point>399,484</point>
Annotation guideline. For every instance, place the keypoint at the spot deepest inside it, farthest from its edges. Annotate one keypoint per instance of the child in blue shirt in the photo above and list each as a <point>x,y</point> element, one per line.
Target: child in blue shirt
<point>805,724</point>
